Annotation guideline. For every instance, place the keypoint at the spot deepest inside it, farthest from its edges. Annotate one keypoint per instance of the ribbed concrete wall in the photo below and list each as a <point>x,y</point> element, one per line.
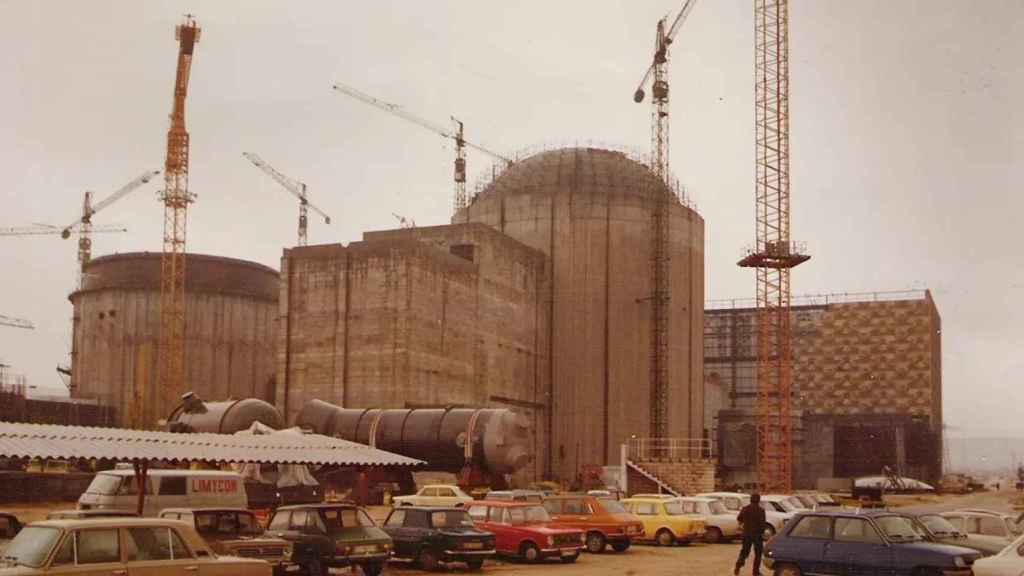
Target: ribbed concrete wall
<point>407,319</point>
<point>229,332</point>
<point>590,212</point>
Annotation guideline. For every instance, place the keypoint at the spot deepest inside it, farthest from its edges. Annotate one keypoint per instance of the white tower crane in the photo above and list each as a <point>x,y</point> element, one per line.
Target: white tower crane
<point>298,189</point>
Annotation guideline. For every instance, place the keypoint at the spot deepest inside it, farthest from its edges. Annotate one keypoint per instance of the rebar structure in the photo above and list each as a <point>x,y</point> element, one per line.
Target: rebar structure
<point>774,255</point>
<point>176,198</point>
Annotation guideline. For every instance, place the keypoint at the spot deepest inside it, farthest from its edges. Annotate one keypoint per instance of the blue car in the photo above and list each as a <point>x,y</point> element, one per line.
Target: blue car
<point>874,543</point>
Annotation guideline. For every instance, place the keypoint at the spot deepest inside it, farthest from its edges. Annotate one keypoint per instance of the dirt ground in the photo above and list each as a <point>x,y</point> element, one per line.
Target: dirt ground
<point>640,560</point>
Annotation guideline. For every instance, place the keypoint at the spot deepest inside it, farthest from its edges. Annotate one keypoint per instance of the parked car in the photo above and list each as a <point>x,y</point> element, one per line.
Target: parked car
<point>171,488</point>
<point>610,493</point>
<point>938,529</point>
<point>735,501</point>
<point>852,543</point>
<point>118,546</point>
<point>515,495</point>
<point>236,532</point>
<point>603,521</point>
<point>525,530</point>
<point>1008,562</point>
<point>83,514</point>
<point>997,529</point>
<point>666,522</point>
<point>653,495</point>
<point>431,536</point>
<point>9,528</point>
<point>721,523</point>
<point>332,535</point>
<point>435,495</point>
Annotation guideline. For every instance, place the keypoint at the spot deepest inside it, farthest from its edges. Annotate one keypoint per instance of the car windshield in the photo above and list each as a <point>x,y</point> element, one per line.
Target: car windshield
<point>106,484</point>
<point>612,506</point>
<point>227,523</point>
<point>528,515</point>
<point>796,503</point>
<point>31,546</point>
<point>785,505</point>
<point>938,525</point>
<point>338,519</point>
<point>450,519</point>
<point>898,528</point>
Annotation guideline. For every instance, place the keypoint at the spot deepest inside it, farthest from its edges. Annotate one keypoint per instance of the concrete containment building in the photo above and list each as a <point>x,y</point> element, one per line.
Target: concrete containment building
<point>231,308</point>
<point>590,212</point>
<point>867,381</point>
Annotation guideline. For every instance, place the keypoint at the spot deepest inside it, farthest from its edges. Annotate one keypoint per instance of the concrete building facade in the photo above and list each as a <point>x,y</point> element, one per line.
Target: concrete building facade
<point>867,381</point>
<point>229,333</point>
<point>589,211</point>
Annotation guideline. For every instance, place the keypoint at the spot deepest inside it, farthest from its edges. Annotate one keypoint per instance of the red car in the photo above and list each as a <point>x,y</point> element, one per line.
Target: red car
<point>524,530</point>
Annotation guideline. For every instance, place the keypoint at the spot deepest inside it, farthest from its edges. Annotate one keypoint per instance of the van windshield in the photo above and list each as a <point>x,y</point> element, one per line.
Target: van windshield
<point>105,484</point>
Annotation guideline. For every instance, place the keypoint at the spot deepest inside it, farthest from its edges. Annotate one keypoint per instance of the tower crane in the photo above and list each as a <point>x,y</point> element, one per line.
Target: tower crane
<point>773,255</point>
<point>658,71</point>
<point>176,197</point>
<point>16,322</point>
<point>298,189</point>
<point>83,226</point>
<point>657,74</point>
<point>458,135</point>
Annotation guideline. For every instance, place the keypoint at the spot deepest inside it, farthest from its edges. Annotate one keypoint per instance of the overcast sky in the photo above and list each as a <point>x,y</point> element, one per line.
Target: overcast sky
<point>906,140</point>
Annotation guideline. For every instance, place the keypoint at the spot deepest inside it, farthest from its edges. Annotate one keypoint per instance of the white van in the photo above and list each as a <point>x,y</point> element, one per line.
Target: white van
<point>117,489</point>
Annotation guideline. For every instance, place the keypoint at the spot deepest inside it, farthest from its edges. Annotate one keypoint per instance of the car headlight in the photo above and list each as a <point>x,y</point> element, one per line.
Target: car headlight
<point>770,554</point>
<point>959,562</point>
<point>551,541</point>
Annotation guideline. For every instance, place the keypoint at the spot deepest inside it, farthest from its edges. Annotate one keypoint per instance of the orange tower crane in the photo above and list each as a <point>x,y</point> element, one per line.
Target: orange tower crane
<point>84,225</point>
<point>774,255</point>
<point>457,135</point>
<point>176,198</point>
<point>657,74</point>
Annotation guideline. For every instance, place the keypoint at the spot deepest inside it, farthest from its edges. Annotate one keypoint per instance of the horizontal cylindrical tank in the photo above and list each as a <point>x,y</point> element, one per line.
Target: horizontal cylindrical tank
<point>226,417</point>
<point>230,320</point>
<point>495,439</point>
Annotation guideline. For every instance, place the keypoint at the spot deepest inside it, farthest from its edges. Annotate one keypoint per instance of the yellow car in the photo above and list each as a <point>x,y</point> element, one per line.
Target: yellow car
<point>665,521</point>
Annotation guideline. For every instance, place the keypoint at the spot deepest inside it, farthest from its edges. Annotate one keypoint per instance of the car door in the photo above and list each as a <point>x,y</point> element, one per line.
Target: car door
<point>446,497</point>
<point>156,551</point>
<point>806,544</point>
<point>857,549</point>
<point>487,518</point>
<point>395,527</point>
<point>417,527</point>
<point>426,497</point>
<point>89,552</point>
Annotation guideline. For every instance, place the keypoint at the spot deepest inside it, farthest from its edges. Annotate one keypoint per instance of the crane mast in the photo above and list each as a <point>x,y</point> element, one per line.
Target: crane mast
<point>774,255</point>
<point>176,198</point>
<point>457,135</point>
<point>298,189</point>
<point>657,73</point>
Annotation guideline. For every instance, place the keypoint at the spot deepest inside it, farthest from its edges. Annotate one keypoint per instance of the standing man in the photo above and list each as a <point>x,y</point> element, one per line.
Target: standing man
<point>752,518</point>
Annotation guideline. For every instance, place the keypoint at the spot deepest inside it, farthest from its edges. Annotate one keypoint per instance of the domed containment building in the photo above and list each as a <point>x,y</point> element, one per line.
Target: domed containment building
<point>231,309</point>
<point>590,211</point>
<point>536,298</point>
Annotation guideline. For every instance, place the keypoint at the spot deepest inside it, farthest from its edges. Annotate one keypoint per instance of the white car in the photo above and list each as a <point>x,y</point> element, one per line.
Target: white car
<point>1009,562</point>
<point>735,501</point>
<point>435,495</point>
<point>990,526</point>
<point>721,524</point>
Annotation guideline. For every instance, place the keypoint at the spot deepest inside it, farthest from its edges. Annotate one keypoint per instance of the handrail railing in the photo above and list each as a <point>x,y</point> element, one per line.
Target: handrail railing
<point>670,449</point>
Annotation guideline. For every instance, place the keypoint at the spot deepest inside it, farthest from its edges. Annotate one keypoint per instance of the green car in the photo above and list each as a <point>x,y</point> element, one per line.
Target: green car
<point>328,536</point>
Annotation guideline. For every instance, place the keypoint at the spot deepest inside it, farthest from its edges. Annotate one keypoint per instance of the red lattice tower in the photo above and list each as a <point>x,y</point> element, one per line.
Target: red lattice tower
<point>176,198</point>
<point>774,254</point>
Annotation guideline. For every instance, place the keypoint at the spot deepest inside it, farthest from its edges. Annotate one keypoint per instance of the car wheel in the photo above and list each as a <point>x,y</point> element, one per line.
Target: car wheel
<point>314,568</point>
<point>595,542</point>
<point>475,564</point>
<point>428,559</point>
<point>372,569</point>
<point>769,532</point>
<point>786,570</point>
<point>621,546</point>
<point>664,537</point>
<point>529,552</point>
<point>713,535</point>
<point>570,559</point>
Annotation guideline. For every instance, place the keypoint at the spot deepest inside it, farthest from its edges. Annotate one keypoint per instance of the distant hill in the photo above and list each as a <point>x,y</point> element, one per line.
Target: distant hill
<point>984,454</point>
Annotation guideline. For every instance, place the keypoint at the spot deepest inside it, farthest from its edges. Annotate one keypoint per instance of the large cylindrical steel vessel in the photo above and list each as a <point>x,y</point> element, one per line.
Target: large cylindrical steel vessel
<point>230,312</point>
<point>225,417</point>
<point>496,439</point>
<point>591,212</point>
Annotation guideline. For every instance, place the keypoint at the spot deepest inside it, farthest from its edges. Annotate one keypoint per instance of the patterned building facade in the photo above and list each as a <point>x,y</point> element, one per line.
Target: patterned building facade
<point>867,381</point>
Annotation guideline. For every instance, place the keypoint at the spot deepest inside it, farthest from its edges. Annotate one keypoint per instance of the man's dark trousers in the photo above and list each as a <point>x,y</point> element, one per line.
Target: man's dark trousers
<point>757,541</point>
